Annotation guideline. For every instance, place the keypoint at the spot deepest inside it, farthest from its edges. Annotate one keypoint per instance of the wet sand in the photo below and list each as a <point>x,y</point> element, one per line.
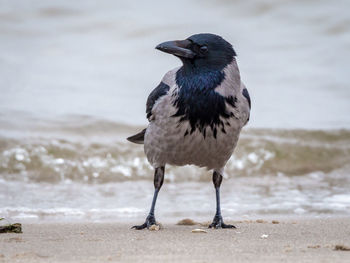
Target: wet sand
<point>305,240</point>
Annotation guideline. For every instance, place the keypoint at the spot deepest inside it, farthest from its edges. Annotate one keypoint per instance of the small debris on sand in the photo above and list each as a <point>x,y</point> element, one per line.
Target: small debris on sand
<point>260,221</point>
<point>11,228</point>
<point>154,227</point>
<point>198,230</point>
<point>314,246</point>
<point>264,236</point>
<point>275,222</point>
<point>186,222</point>
<point>342,248</point>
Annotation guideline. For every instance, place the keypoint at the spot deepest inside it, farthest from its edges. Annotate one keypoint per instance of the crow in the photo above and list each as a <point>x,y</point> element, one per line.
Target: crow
<point>196,113</point>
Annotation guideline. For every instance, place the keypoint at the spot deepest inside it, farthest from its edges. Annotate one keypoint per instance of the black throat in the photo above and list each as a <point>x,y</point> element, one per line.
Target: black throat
<point>198,102</point>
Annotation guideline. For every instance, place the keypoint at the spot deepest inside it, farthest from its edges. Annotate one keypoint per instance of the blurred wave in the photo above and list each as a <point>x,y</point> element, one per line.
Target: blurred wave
<point>82,168</point>
<point>99,157</point>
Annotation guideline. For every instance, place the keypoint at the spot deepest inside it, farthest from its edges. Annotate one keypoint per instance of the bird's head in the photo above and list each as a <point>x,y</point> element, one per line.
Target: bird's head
<point>201,51</point>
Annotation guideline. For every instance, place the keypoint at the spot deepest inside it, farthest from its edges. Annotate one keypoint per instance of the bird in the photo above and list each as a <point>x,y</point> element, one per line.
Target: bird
<point>195,114</point>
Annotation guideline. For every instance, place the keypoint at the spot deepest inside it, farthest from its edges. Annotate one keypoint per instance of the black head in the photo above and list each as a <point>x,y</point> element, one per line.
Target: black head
<point>201,51</point>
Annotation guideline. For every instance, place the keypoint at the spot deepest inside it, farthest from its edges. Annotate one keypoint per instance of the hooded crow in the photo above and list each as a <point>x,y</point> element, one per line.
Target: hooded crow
<point>196,113</point>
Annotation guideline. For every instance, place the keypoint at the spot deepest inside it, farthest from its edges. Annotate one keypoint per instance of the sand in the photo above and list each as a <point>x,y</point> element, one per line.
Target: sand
<point>305,240</point>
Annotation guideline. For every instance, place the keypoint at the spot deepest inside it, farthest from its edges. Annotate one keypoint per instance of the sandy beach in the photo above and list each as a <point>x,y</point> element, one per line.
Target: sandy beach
<point>306,240</point>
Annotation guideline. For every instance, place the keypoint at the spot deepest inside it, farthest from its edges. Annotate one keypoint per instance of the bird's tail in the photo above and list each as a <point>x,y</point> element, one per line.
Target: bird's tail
<point>137,138</point>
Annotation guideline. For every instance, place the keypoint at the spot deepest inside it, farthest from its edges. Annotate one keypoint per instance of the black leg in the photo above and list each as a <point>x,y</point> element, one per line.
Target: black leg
<point>218,222</point>
<point>158,182</point>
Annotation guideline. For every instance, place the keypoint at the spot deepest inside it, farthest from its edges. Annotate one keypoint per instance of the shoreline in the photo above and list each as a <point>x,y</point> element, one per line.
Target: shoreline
<point>287,240</point>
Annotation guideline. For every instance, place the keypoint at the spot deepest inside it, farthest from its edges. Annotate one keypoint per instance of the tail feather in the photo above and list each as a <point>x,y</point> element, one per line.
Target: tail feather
<point>137,138</point>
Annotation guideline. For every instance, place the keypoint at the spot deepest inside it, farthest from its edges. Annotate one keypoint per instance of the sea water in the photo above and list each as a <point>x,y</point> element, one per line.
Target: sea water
<point>75,76</point>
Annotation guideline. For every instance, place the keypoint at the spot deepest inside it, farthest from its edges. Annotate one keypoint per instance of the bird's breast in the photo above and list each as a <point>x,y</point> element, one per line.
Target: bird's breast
<point>169,139</point>
<point>198,121</point>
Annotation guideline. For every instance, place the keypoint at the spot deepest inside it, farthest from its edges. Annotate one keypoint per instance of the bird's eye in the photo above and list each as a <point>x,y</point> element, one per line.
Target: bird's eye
<point>203,49</point>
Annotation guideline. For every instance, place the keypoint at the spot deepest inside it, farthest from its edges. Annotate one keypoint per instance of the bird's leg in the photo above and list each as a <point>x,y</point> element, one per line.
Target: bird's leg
<point>218,221</point>
<point>158,182</point>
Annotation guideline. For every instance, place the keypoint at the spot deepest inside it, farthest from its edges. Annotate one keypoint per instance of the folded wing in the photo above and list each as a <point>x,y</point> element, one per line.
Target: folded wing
<point>158,92</point>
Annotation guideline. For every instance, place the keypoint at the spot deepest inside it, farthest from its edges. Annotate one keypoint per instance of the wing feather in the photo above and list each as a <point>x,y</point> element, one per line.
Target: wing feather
<point>158,92</point>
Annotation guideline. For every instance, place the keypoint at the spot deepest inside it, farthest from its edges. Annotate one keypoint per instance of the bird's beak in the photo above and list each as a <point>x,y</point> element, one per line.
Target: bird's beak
<point>177,48</point>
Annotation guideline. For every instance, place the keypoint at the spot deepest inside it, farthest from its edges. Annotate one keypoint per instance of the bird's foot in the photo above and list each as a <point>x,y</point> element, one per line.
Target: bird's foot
<point>218,222</point>
<point>150,220</point>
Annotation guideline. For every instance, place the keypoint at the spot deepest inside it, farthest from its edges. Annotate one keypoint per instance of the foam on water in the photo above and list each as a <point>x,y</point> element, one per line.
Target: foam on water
<point>254,196</point>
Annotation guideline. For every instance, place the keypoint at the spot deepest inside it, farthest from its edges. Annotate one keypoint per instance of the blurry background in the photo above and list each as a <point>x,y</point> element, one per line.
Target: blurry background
<point>75,76</point>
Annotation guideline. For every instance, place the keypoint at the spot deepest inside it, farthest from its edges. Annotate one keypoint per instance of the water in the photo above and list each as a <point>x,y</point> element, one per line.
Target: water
<point>74,78</point>
<point>64,171</point>
<point>99,59</point>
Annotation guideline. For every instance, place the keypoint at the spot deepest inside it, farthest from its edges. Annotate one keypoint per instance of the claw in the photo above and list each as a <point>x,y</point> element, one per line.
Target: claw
<point>227,226</point>
<point>219,223</point>
<point>222,225</point>
<point>139,227</point>
<point>150,220</point>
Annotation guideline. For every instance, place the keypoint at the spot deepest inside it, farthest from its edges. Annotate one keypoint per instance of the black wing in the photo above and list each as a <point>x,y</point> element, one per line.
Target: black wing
<point>158,92</point>
<point>246,95</point>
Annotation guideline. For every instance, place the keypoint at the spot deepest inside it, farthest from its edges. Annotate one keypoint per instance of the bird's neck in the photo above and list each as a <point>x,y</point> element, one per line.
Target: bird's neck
<point>199,79</point>
<point>197,101</point>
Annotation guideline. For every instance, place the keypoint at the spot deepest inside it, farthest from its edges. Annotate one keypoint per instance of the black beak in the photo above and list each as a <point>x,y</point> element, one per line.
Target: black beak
<point>177,48</point>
